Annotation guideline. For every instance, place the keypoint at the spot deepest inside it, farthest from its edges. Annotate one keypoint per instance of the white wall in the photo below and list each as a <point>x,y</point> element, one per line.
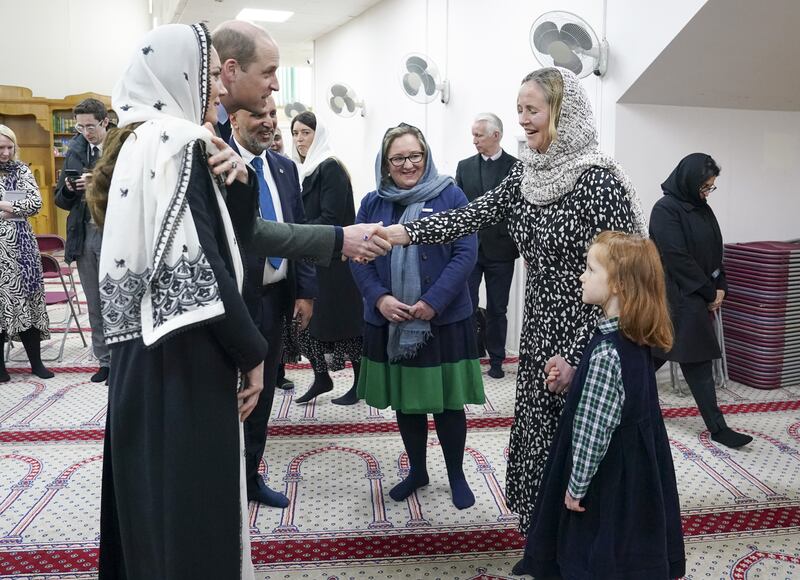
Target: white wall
<point>759,152</point>
<point>484,53</point>
<point>66,47</point>
<point>637,33</point>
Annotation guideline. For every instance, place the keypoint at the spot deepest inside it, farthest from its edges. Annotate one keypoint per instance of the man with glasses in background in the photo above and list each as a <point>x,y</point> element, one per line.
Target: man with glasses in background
<point>83,236</point>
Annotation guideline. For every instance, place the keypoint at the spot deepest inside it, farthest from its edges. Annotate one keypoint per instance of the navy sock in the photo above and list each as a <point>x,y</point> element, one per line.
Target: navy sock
<point>451,427</point>
<point>414,431</point>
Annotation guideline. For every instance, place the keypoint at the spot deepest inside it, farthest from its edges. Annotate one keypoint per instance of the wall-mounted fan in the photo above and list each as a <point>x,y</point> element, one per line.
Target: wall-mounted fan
<point>421,80</point>
<point>294,109</point>
<point>343,100</point>
<point>564,39</point>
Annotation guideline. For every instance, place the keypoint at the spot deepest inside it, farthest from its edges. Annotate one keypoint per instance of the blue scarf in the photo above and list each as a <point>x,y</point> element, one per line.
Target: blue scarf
<point>407,337</point>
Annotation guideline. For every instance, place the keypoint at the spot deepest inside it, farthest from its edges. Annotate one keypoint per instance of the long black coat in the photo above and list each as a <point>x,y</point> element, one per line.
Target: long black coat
<point>328,199</point>
<point>688,238</point>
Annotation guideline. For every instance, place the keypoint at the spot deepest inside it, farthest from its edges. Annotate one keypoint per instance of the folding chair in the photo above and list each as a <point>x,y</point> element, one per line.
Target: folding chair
<point>50,244</point>
<point>51,265</point>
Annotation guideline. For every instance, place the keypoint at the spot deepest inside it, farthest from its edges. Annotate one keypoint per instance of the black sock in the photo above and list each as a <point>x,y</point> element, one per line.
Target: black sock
<point>4,376</point>
<point>351,396</point>
<point>356,371</point>
<point>451,427</point>
<point>32,341</point>
<point>322,384</point>
<point>414,431</point>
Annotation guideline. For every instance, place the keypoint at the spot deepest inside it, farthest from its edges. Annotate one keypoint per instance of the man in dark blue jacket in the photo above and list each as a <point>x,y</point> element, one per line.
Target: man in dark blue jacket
<point>275,289</point>
<point>83,237</point>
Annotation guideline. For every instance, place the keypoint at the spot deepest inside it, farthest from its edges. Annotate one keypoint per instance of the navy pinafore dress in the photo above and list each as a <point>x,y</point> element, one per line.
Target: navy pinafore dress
<point>631,529</point>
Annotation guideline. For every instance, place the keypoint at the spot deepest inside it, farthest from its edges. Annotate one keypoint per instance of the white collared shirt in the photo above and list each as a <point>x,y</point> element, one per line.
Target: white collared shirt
<point>271,275</point>
<point>494,157</point>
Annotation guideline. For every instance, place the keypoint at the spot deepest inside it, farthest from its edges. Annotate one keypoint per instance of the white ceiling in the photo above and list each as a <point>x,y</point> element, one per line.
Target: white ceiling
<point>738,54</point>
<point>312,19</point>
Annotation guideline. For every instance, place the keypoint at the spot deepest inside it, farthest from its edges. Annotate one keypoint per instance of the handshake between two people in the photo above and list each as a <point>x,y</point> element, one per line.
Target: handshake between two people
<point>365,242</point>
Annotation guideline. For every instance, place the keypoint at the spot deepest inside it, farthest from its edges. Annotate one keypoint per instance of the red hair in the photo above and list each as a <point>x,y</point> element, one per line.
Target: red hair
<point>636,274</point>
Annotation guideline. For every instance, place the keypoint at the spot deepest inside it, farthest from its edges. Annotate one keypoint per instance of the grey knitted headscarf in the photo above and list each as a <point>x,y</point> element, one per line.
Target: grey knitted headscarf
<point>549,176</point>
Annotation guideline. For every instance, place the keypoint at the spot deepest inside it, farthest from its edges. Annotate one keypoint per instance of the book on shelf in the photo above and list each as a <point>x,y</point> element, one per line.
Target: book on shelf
<point>63,123</point>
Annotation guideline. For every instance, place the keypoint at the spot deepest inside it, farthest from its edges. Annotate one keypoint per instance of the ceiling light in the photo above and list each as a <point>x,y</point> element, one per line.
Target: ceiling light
<point>258,15</point>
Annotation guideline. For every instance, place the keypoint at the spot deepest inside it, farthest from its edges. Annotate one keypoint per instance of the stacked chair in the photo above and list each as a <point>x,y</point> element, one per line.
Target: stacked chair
<point>762,313</point>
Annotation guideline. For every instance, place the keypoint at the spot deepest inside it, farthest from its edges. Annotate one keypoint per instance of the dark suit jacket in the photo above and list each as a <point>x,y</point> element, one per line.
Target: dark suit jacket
<point>301,276</point>
<point>495,241</point>
<point>444,268</point>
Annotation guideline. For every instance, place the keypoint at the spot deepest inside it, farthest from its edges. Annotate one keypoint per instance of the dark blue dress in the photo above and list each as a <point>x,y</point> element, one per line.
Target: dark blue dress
<point>631,528</point>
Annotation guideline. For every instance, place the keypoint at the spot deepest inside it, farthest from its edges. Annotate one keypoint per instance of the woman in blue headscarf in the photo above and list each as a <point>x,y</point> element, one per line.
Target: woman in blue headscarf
<point>420,354</point>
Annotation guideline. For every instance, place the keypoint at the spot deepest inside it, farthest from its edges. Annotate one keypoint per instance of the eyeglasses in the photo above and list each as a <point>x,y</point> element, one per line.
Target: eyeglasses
<point>87,128</point>
<point>400,160</point>
<point>708,188</point>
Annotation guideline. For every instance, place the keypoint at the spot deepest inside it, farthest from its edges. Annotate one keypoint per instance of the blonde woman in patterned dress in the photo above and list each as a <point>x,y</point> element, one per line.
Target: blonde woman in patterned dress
<point>560,194</point>
<point>23,313</point>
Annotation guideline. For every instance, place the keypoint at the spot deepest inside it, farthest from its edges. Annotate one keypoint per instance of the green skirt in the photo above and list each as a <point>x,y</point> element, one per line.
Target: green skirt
<point>445,373</point>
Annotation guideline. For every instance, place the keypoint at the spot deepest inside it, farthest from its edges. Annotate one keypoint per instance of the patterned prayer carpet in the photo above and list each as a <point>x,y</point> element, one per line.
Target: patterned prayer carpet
<point>741,509</point>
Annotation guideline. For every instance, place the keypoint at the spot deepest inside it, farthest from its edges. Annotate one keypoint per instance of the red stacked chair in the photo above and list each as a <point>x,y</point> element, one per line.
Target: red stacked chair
<point>762,313</point>
<point>53,244</point>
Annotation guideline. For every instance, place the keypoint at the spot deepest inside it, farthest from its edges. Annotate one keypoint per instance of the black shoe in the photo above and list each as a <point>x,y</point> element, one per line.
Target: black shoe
<point>4,376</point>
<point>496,371</point>
<point>519,569</point>
<point>349,398</point>
<point>260,492</point>
<point>100,376</point>
<point>285,384</point>
<point>322,384</point>
<point>730,438</point>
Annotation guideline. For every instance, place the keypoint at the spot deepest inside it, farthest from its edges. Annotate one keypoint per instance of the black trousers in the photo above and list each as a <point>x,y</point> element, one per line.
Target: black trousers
<point>498,277</point>
<point>700,378</point>
<point>267,311</point>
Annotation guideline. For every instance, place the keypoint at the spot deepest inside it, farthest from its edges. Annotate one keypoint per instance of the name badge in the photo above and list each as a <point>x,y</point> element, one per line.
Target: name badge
<point>427,209</point>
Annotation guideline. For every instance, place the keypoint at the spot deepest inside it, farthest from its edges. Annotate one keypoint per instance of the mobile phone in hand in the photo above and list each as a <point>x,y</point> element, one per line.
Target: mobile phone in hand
<point>71,175</point>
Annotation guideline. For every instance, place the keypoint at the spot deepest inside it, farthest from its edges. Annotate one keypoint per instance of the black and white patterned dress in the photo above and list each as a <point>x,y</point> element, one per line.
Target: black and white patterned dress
<point>553,240</point>
<point>22,304</point>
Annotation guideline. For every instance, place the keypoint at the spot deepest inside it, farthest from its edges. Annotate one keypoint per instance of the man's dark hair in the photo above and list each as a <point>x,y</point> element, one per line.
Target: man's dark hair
<point>91,107</point>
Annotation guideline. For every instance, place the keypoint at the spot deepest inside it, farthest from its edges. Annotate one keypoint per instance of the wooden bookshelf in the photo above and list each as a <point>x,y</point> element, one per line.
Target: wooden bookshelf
<point>43,128</point>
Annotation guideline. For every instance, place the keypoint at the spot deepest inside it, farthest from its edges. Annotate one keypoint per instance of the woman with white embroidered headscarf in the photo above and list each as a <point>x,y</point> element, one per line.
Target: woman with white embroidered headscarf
<point>334,333</point>
<point>561,194</point>
<point>173,503</point>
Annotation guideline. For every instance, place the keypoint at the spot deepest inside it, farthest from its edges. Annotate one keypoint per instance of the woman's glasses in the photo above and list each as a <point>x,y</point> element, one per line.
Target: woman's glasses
<point>400,160</point>
<point>708,188</point>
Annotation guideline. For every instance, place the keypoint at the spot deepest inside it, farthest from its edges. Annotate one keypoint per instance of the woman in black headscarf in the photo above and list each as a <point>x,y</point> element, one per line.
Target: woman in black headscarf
<point>687,234</point>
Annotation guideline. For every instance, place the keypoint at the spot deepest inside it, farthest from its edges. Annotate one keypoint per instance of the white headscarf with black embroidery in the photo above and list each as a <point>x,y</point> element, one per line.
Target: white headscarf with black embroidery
<point>154,275</point>
<point>550,175</point>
